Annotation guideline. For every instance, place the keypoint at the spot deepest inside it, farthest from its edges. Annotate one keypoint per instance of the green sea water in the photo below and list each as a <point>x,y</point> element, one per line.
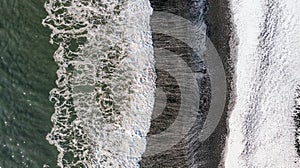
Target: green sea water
<point>27,74</point>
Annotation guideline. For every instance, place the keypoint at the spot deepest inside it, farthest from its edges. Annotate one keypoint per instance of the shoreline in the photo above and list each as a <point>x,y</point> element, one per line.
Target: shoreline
<point>191,152</point>
<point>182,154</point>
<point>221,32</point>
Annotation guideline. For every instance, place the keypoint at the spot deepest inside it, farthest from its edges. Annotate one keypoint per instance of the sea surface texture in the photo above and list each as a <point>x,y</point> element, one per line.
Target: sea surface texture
<point>27,74</point>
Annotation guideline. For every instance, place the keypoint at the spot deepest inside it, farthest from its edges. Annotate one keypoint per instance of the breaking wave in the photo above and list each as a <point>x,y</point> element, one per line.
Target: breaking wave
<point>106,81</point>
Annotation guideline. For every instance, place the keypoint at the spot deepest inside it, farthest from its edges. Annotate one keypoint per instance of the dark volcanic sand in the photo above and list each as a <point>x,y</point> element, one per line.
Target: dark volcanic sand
<point>220,31</point>
<point>190,152</point>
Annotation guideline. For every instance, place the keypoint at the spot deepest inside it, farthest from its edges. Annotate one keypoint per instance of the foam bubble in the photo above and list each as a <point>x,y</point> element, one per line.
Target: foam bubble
<point>106,81</point>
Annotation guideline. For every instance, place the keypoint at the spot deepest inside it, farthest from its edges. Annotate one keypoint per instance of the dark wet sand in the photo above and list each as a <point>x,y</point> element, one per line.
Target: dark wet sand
<point>190,152</point>
<point>220,33</point>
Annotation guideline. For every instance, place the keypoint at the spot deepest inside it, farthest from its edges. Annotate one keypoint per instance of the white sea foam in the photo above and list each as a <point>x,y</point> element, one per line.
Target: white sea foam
<point>261,125</point>
<point>106,81</point>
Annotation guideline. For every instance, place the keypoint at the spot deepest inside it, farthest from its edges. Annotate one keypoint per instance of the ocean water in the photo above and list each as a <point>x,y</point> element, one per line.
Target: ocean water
<point>96,61</point>
<point>27,74</point>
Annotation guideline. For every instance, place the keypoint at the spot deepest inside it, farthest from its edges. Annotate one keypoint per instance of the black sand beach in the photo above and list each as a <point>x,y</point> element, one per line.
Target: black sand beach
<point>221,33</point>
<point>190,151</point>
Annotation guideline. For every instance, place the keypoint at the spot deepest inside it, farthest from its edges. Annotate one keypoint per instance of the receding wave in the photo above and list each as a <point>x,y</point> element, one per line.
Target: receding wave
<point>106,81</point>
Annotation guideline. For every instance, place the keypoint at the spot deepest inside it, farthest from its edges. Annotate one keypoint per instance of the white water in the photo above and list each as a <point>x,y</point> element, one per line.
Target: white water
<point>262,130</point>
<point>105,86</point>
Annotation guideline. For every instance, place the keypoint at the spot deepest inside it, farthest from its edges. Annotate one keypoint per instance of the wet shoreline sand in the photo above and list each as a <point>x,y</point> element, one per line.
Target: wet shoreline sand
<point>191,152</point>
<point>221,32</point>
